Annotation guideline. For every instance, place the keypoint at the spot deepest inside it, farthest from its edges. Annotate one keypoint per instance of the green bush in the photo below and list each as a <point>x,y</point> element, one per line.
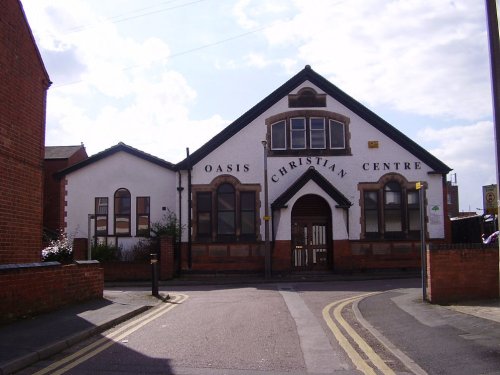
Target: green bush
<point>141,251</point>
<point>167,225</point>
<point>104,252</point>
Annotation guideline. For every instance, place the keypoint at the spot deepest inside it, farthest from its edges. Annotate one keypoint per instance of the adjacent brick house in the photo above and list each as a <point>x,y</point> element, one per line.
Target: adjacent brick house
<point>23,94</point>
<point>26,285</point>
<point>57,158</point>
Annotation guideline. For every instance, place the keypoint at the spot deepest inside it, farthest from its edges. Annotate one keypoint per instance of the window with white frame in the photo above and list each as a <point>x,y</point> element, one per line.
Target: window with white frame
<point>337,134</point>
<point>298,133</point>
<point>316,133</point>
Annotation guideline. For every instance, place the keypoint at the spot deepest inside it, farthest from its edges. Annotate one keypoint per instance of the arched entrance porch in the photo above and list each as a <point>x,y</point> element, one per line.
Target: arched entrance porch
<point>311,234</point>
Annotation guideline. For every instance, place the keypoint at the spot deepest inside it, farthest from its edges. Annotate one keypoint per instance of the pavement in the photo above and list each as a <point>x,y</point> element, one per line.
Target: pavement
<point>27,341</point>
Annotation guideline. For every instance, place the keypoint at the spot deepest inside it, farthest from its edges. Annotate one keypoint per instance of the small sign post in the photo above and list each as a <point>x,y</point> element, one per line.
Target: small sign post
<point>154,275</point>
<point>423,261</point>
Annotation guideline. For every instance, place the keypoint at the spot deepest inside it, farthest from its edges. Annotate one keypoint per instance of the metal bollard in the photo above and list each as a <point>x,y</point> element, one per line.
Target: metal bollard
<point>154,275</point>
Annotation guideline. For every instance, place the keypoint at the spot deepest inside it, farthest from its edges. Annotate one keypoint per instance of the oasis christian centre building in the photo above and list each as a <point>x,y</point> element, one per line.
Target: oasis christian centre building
<point>339,182</point>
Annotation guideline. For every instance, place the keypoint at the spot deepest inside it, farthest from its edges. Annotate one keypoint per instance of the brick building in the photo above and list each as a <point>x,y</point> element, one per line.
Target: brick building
<point>56,159</point>
<point>27,286</point>
<point>23,95</point>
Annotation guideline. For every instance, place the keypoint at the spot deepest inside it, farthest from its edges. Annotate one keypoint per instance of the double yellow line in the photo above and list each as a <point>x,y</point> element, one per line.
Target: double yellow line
<point>353,354</point>
<point>111,338</point>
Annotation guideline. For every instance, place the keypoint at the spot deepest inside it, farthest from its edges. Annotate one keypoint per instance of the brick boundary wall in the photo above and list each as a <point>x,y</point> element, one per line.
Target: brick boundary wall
<point>167,264</point>
<point>126,271</point>
<point>33,288</point>
<point>462,273</point>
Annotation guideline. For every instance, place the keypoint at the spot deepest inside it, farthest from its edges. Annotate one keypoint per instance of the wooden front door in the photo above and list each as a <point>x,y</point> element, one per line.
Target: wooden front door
<point>310,234</point>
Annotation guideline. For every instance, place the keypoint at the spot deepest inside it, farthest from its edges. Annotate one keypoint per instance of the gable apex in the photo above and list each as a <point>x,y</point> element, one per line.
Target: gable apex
<point>120,147</point>
<point>309,75</point>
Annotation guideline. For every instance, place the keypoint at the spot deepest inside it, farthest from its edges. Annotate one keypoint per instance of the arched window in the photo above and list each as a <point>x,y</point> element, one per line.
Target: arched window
<point>226,210</point>
<point>122,212</point>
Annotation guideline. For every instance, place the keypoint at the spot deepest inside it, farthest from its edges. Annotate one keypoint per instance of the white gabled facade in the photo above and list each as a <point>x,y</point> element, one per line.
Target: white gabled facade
<point>374,157</point>
<point>101,176</point>
<point>341,188</point>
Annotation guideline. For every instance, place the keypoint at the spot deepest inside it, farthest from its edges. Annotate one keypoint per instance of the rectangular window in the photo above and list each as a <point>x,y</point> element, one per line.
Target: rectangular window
<point>371,211</point>
<point>122,212</point>
<point>337,135</point>
<point>278,136</point>
<point>413,211</point>
<point>317,133</point>
<point>101,216</point>
<point>204,214</point>
<point>143,216</point>
<point>298,133</point>
<point>247,210</point>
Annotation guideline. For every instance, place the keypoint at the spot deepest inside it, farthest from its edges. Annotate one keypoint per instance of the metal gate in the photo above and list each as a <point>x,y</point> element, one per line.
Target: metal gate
<point>310,246</point>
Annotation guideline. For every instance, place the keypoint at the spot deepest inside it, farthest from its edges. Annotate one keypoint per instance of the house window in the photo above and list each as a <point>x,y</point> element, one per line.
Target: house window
<point>101,216</point>
<point>204,214</point>
<point>122,212</point>
<point>142,216</point>
<point>298,133</point>
<point>247,213</point>
<point>413,211</point>
<point>278,136</point>
<point>317,133</point>
<point>371,213</point>
<point>337,135</point>
<point>391,209</point>
<point>308,132</point>
<point>226,211</point>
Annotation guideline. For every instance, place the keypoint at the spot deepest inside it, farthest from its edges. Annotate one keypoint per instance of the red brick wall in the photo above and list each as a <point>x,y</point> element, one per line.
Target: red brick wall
<point>224,257</point>
<point>22,135</point>
<point>31,289</point>
<point>126,271</point>
<point>167,266</point>
<point>462,274</point>
<point>281,256</point>
<point>80,249</point>
<point>53,188</point>
<point>342,258</point>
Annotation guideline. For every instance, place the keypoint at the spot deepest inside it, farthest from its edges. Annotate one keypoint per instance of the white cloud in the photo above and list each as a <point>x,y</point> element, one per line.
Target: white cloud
<point>113,88</point>
<point>424,57</point>
<point>470,151</point>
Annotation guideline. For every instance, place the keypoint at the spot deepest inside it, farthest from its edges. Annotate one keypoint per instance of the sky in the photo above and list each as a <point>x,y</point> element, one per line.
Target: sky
<point>163,76</point>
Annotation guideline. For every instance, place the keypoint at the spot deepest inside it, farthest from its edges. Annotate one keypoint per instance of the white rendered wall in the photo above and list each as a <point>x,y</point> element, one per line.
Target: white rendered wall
<point>242,156</point>
<point>104,177</point>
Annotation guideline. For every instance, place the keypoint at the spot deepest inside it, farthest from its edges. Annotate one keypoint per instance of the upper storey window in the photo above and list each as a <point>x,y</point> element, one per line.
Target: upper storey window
<point>298,133</point>
<point>317,130</point>
<point>311,132</point>
<point>278,136</point>
<point>337,134</point>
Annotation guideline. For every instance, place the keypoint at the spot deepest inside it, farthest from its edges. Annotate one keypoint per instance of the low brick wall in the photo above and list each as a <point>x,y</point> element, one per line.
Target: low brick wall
<point>142,271</point>
<point>462,273</point>
<point>126,271</point>
<point>32,288</point>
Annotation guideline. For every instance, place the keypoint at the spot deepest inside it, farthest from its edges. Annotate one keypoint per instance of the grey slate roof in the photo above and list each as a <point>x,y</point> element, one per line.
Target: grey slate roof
<point>60,152</point>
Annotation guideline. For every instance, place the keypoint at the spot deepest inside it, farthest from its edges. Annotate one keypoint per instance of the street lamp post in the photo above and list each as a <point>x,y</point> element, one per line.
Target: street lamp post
<point>267,218</point>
